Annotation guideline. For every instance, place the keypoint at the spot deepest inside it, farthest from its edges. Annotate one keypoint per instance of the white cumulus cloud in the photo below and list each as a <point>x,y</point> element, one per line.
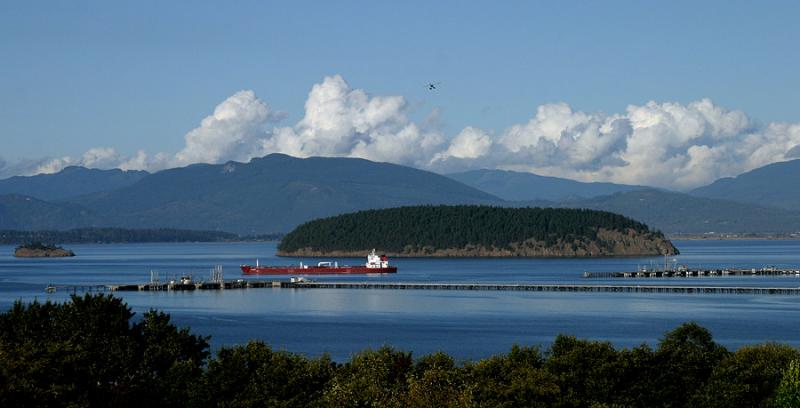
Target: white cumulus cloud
<point>667,145</point>
<point>341,121</point>
<point>663,144</point>
<point>232,132</point>
<point>100,157</point>
<point>471,143</point>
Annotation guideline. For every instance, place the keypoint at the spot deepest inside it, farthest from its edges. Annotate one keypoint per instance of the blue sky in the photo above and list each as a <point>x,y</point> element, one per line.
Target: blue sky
<point>140,75</point>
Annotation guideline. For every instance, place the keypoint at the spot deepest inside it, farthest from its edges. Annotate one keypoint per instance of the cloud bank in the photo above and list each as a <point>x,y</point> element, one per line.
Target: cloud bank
<point>669,145</point>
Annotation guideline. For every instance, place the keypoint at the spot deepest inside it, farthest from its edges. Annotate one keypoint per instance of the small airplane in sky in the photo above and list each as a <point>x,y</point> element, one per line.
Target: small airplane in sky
<point>432,85</point>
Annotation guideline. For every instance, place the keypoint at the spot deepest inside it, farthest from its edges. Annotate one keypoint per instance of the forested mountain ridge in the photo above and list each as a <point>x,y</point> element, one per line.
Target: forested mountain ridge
<point>276,193</point>
<point>70,182</point>
<point>466,230</point>
<point>682,213</point>
<point>272,194</point>
<point>774,185</point>
<point>520,186</point>
<point>18,212</point>
<point>117,235</point>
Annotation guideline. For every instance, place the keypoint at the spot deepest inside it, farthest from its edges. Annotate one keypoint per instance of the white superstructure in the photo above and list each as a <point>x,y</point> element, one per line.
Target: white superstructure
<point>375,261</point>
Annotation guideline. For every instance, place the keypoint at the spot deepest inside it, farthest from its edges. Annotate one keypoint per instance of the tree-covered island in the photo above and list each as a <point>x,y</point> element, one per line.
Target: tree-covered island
<point>39,250</point>
<point>476,231</point>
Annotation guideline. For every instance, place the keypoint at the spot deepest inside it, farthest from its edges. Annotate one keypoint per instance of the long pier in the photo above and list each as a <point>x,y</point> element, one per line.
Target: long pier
<point>233,284</point>
<point>730,290</point>
<point>530,287</point>
<point>693,273</point>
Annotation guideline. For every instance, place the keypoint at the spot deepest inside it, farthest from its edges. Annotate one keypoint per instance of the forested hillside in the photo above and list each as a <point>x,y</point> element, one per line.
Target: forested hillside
<point>70,182</point>
<point>774,185</point>
<point>517,186</point>
<point>476,231</point>
<point>271,194</point>
<point>683,213</point>
<point>276,193</point>
<point>112,235</point>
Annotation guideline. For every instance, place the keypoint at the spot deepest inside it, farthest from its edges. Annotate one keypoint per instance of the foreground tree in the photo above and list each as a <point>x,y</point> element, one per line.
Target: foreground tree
<point>371,379</point>
<point>788,395</point>
<point>588,371</point>
<point>436,381</point>
<point>747,377</point>
<point>517,379</point>
<point>91,352</point>
<point>86,352</point>
<point>256,376</point>
<point>682,364</point>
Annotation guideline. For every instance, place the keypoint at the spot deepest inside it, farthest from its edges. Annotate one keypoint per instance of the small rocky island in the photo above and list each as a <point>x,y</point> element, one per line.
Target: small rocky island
<point>476,231</point>
<point>39,250</point>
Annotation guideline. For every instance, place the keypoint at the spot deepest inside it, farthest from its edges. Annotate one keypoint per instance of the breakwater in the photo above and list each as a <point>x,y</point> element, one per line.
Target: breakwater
<point>561,288</point>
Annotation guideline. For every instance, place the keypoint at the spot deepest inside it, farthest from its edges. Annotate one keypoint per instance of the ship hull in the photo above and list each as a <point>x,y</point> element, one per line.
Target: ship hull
<point>314,270</point>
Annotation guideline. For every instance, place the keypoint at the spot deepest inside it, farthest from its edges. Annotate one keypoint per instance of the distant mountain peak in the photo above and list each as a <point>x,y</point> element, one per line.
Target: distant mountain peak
<point>774,185</point>
<point>71,181</point>
<point>521,186</point>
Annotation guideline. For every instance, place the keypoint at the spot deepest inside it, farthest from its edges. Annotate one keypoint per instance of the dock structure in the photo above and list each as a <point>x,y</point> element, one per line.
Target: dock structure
<point>722,290</point>
<point>189,286</point>
<point>694,273</point>
<point>217,281</point>
<point>77,288</point>
<point>528,287</point>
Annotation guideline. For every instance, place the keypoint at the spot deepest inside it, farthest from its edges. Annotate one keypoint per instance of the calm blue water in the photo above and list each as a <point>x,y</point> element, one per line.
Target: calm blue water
<point>464,324</point>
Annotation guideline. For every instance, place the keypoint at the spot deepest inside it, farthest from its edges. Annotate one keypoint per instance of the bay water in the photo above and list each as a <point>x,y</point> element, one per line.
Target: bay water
<point>465,324</point>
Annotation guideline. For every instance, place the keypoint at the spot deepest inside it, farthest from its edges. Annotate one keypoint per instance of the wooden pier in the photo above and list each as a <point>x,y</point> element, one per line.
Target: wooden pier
<point>231,284</point>
<point>163,287</point>
<point>561,288</point>
<point>721,290</point>
<point>77,288</point>
<point>693,273</point>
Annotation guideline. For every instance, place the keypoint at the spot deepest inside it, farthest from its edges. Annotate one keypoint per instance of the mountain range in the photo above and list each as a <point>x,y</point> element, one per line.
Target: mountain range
<point>70,182</point>
<point>673,212</point>
<point>516,186</point>
<point>270,194</point>
<point>774,185</point>
<point>278,192</point>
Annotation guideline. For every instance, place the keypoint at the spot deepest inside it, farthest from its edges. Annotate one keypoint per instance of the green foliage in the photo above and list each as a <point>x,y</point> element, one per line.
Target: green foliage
<point>636,381</point>
<point>788,394</point>
<point>371,379</point>
<point>90,352</point>
<point>255,375</point>
<point>514,380</point>
<point>38,246</point>
<point>426,228</point>
<point>587,371</point>
<point>86,353</point>
<point>436,381</point>
<point>682,364</point>
<point>747,377</point>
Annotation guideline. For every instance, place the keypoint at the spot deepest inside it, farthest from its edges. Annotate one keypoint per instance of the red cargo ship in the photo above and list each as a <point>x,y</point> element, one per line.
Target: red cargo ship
<point>375,264</point>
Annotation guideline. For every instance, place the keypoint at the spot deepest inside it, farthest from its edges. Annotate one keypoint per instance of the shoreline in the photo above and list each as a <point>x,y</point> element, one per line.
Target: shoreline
<point>360,255</point>
<point>738,238</point>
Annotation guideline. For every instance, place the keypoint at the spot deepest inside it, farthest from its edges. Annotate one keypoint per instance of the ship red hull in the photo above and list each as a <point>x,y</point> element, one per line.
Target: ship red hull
<point>313,270</point>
